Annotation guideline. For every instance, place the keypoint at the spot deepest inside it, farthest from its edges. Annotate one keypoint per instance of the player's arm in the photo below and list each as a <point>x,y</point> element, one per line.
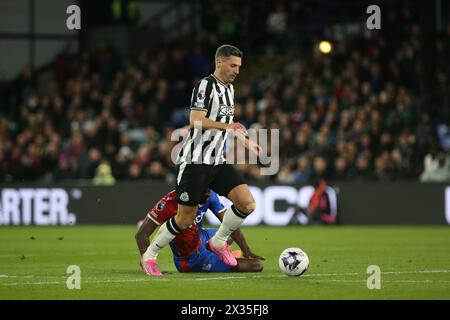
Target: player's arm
<point>239,238</point>
<point>198,117</point>
<point>142,236</point>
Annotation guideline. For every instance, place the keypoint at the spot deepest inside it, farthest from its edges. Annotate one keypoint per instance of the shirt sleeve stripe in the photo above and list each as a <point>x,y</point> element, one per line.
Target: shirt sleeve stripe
<point>151,218</point>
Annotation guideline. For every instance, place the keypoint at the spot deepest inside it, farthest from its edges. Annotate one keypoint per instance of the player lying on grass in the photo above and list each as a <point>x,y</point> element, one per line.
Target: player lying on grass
<point>189,248</point>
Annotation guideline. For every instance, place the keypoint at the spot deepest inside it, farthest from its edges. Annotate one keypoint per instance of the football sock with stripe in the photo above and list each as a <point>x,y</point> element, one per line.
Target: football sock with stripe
<point>165,234</point>
<point>232,220</point>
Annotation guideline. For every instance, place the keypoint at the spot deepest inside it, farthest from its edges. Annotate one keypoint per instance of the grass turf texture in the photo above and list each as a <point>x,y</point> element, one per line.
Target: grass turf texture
<point>414,262</point>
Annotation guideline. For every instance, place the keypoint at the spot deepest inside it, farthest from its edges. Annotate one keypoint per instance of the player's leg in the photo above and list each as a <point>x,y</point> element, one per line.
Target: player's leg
<point>210,232</point>
<point>185,216</point>
<point>228,182</point>
<point>243,205</point>
<point>167,232</point>
<point>190,188</point>
<point>207,261</point>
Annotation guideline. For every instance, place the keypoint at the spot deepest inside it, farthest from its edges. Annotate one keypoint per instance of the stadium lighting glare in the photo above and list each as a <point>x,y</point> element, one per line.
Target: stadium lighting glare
<point>325,47</point>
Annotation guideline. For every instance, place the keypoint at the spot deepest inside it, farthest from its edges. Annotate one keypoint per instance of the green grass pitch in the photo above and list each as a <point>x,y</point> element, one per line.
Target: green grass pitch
<point>414,263</point>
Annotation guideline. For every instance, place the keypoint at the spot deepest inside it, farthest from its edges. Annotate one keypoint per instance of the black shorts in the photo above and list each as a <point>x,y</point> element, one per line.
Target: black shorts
<point>193,180</point>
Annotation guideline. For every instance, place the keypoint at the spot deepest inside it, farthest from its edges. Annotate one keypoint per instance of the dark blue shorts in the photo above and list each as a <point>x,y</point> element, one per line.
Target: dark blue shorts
<point>202,260</point>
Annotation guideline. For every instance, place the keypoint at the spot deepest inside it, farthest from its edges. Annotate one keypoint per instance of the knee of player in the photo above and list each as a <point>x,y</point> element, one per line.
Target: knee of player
<point>249,207</point>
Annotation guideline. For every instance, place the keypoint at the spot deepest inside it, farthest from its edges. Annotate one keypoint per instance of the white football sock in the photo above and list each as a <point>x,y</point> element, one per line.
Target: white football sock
<point>161,239</point>
<point>230,223</point>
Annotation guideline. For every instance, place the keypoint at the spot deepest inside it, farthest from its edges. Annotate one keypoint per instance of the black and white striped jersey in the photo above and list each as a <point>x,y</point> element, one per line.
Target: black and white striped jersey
<point>217,100</point>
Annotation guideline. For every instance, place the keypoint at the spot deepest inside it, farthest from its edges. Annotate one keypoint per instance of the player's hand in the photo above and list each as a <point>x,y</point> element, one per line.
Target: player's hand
<point>243,137</point>
<point>236,126</point>
<point>251,255</point>
<point>254,147</point>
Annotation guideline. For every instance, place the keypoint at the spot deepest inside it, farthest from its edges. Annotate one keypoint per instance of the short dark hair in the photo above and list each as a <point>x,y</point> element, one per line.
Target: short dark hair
<point>228,50</point>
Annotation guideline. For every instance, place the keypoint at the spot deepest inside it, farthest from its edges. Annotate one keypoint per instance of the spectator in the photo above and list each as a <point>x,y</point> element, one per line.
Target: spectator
<point>381,172</point>
<point>286,174</point>
<point>340,169</point>
<point>336,111</point>
<point>277,26</point>
<point>362,170</point>
<point>303,171</point>
<point>103,175</point>
<point>320,169</point>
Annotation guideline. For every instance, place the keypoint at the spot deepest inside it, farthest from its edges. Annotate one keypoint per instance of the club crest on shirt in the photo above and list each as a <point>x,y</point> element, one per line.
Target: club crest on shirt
<point>184,197</point>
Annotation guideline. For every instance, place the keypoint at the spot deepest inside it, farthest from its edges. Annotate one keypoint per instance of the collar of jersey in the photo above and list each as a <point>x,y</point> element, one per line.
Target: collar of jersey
<point>218,80</point>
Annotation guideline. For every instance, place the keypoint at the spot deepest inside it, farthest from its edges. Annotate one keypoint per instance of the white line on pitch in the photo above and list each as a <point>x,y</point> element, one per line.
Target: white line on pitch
<point>240,277</point>
<point>219,278</point>
<point>143,280</point>
<point>326,274</point>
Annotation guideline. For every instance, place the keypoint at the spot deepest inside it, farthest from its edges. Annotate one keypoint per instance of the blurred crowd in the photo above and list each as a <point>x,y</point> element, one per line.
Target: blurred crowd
<point>349,115</point>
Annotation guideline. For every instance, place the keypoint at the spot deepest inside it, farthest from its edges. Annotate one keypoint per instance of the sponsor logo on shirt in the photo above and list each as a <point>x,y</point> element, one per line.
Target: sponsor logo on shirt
<point>226,110</point>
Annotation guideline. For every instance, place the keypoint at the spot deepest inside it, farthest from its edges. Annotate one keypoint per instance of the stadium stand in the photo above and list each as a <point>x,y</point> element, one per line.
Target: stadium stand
<point>354,114</point>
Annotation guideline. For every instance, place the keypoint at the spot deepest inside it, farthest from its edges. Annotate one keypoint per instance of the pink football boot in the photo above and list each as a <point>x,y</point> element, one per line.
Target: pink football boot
<point>150,267</point>
<point>223,253</point>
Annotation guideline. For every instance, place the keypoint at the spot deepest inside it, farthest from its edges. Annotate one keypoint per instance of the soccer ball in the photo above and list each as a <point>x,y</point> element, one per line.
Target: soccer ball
<point>293,261</point>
